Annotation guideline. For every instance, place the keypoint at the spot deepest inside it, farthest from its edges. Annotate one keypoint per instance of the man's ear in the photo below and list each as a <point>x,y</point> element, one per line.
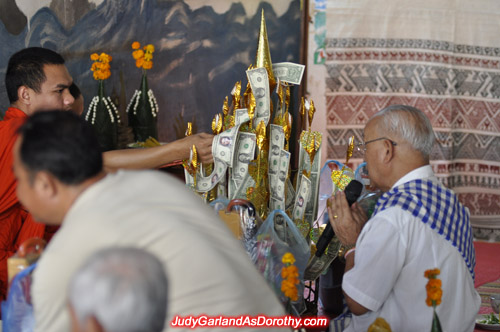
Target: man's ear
<point>45,185</point>
<point>388,151</point>
<point>24,95</point>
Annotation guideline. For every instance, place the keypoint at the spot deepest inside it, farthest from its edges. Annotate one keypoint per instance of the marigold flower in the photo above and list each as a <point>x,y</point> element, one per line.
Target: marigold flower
<point>147,64</point>
<point>143,58</point>
<point>288,258</point>
<point>137,54</point>
<point>101,67</point>
<point>433,287</point>
<point>431,273</point>
<point>434,283</point>
<point>290,275</point>
<point>139,62</point>
<point>292,294</point>
<point>289,272</point>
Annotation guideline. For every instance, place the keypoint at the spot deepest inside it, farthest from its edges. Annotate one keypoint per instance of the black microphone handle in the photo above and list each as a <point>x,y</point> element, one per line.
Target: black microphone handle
<point>352,193</point>
<point>324,239</point>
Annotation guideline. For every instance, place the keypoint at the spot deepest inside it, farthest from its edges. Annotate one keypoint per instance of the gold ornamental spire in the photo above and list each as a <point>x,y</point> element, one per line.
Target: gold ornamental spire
<point>263,57</point>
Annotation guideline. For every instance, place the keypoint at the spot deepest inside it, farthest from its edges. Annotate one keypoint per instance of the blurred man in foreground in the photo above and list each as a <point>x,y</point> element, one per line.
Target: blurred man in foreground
<point>58,167</point>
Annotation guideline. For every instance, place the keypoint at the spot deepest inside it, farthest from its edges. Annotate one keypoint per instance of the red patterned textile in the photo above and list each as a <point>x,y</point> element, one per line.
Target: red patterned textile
<point>458,88</point>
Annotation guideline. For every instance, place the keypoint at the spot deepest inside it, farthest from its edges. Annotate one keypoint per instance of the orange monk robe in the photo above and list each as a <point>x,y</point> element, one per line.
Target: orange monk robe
<point>16,224</point>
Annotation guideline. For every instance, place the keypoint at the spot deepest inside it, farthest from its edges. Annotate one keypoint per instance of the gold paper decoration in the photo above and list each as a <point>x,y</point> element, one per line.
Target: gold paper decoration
<point>225,107</point>
<point>189,129</point>
<point>302,112</point>
<point>340,179</point>
<point>288,128</point>
<point>261,134</point>
<point>251,108</point>
<point>281,98</point>
<point>263,57</point>
<point>236,95</point>
<point>192,165</point>
<point>311,112</point>
<point>217,124</point>
<point>246,95</point>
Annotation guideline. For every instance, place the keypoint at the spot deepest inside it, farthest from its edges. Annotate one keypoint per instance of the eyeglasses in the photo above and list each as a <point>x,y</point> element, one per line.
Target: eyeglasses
<point>361,147</point>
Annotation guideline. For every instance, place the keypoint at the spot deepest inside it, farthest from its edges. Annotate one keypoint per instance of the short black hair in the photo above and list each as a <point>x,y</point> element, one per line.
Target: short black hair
<point>25,68</point>
<point>61,143</point>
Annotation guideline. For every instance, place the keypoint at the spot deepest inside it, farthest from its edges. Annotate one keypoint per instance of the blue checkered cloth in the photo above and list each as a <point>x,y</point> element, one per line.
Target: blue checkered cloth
<point>339,323</point>
<point>437,207</point>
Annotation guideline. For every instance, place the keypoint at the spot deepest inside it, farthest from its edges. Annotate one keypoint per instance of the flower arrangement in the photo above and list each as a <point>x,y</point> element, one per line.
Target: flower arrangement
<point>101,66</point>
<point>434,294</point>
<point>102,113</point>
<point>143,109</point>
<point>143,58</point>
<point>290,275</point>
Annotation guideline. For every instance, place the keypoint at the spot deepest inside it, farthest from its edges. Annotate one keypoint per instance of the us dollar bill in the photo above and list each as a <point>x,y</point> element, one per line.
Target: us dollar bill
<point>277,144</point>
<point>301,198</point>
<point>317,265</point>
<point>241,191</point>
<point>290,195</point>
<point>314,170</point>
<point>312,205</point>
<point>189,179</point>
<point>288,72</point>
<point>224,144</point>
<point>231,185</point>
<point>243,156</point>
<point>278,183</point>
<point>204,184</point>
<point>241,116</point>
<point>259,82</point>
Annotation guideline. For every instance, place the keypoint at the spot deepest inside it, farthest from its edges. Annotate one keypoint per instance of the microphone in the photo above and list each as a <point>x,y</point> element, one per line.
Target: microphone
<point>352,193</point>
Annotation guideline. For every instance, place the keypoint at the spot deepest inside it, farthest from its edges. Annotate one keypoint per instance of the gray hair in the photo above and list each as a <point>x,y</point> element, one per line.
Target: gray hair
<point>410,124</point>
<point>124,288</point>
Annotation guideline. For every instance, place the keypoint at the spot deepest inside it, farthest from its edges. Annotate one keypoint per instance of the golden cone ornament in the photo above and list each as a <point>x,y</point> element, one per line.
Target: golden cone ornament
<point>263,57</point>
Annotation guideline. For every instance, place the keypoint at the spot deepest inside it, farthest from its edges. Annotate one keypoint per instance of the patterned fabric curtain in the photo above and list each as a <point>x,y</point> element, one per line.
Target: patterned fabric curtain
<point>442,57</point>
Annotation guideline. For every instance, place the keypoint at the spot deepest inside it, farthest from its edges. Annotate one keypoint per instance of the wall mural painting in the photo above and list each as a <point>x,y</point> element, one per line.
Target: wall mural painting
<point>201,47</point>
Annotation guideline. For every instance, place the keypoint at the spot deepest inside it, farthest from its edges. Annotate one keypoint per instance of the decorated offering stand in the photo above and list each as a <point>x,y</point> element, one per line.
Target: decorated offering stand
<point>252,164</point>
<point>102,112</point>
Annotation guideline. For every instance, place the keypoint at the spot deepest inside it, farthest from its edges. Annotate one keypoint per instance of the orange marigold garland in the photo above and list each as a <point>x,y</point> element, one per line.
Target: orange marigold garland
<point>434,294</point>
<point>290,275</point>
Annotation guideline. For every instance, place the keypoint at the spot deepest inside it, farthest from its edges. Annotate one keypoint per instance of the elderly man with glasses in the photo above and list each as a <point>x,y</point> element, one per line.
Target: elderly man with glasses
<point>417,225</point>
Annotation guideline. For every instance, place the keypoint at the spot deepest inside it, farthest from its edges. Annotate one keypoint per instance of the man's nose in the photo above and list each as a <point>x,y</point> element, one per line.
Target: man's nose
<point>68,98</point>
